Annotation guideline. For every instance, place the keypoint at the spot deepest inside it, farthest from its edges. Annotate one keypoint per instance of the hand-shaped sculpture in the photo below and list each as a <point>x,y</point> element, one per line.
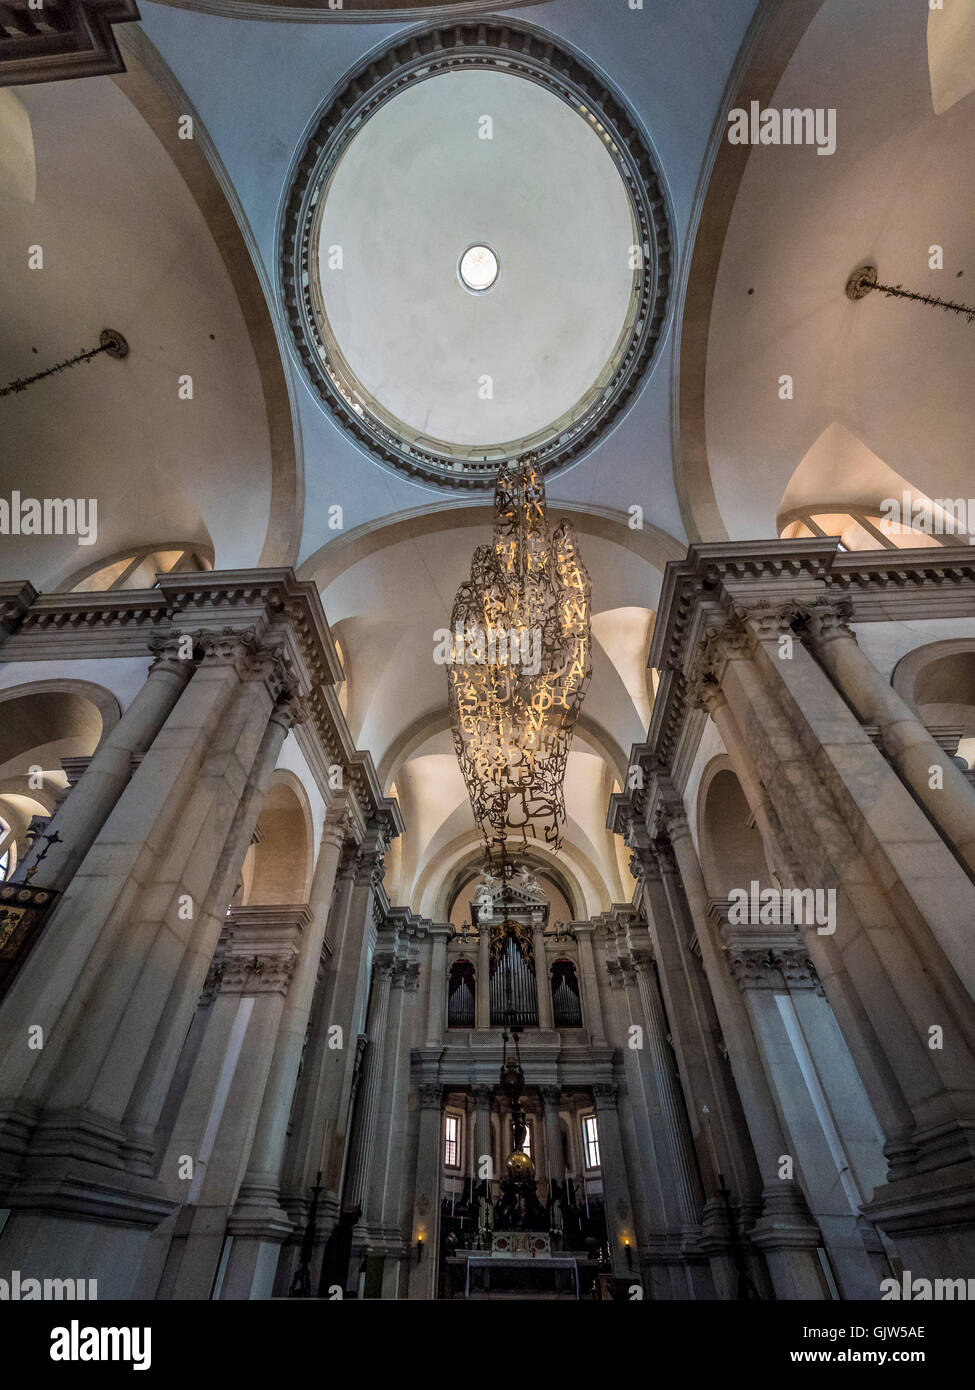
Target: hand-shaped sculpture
<point>521,662</point>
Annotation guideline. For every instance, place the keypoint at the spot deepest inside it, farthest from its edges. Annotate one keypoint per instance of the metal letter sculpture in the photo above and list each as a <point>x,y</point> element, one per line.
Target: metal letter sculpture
<point>521,663</point>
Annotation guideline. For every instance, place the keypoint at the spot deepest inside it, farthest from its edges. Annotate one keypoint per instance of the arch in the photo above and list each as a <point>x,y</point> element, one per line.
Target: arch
<point>951,53</point>
<point>282,857</point>
<point>549,876</point>
<point>938,682</point>
<point>135,567</point>
<point>772,38</point>
<point>160,100</point>
<point>63,708</point>
<point>427,726</point>
<point>362,12</point>
<point>732,852</point>
<point>586,888</point>
<point>324,565</point>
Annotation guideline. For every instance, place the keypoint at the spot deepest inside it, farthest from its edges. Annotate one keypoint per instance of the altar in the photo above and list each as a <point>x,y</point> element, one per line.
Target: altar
<point>523,1272</point>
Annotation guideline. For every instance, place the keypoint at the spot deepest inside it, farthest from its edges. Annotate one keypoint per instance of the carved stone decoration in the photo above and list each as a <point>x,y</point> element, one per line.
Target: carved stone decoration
<point>763,967</point>
<point>825,619</point>
<point>264,974</point>
<point>60,39</point>
<point>606,1095</point>
<point>430,1096</point>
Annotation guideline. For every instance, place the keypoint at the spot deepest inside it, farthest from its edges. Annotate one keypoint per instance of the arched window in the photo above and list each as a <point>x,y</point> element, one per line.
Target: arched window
<point>137,568</point>
<point>566,1005</point>
<point>857,529</point>
<point>590,1141</point>
<point>460,995</point>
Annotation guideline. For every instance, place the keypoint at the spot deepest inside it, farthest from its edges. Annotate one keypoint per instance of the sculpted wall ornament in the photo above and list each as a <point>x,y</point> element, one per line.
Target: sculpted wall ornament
<point>258,974</point>
<point>763,967</point>
<point>606,1095</point>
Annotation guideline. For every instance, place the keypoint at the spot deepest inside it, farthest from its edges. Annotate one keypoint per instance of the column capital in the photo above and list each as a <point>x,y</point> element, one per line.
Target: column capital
<point>338,822</point>
<point>258,974</point>
<point>643,961</point>
<point>672,817</point>
<point>763,967</point>
<point>253,659</point>
<point>166,649</point>
<point>551,1095</point>
<point>825,620</point>
<point>705,692</point>
<point>483,1096</point>
<point>289,709</point>
<point>430,1095</point>
<point>606,1095</point>
<point>369,869</point>
<point>643,864</point>
<point>384,965</point>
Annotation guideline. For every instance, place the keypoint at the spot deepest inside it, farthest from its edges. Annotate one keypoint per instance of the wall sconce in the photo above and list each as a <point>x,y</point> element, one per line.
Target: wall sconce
<point>629,1252</point>
<point>419,1248</point>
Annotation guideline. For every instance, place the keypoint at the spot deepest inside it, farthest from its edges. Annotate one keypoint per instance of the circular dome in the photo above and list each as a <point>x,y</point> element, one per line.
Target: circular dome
<point>481,255</point>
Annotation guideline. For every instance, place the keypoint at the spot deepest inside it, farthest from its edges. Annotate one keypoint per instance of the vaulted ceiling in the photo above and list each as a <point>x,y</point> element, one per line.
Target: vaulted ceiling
<point>173,240</point>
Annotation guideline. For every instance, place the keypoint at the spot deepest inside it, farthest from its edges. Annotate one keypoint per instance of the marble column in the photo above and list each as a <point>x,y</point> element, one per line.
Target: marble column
<point>785,1230</point>
<point>86,807</point>
<point>370,1085</point>
<point>482,985</point>
<point>676,1133</point>
<point>258,1223</point>
<point>437,1017</point>
<point>155,1077</point>
<point>141,886</point>
<point>384,1198</point>
<point>900,978</point>
<point>908,744</point>
<point>551,1095</point>
<point>249,978</point>
<point>543,981</point>
<point>426,1202</point>
<point>618,1207</point>
<point>349,982</point>
<point>590,985</point>
<point>483,1148</point>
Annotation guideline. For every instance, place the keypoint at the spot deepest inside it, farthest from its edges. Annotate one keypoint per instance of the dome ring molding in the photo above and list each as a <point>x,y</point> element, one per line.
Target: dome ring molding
<point>508,48</point>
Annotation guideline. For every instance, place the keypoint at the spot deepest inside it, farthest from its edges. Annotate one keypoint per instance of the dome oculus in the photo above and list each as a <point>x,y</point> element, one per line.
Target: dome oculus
<point>478,269</point>
<point>448,386</point>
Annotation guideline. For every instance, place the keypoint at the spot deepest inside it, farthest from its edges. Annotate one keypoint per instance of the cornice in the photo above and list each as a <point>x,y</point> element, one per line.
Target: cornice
<point>272,605</point>
<point>754,586</point>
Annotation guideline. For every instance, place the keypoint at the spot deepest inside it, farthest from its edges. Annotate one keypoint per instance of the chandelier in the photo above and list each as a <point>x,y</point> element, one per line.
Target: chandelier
<point>520,663</point>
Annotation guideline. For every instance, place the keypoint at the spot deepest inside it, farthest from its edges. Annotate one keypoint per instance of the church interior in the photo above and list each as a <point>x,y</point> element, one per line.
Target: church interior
<point>487,648</point>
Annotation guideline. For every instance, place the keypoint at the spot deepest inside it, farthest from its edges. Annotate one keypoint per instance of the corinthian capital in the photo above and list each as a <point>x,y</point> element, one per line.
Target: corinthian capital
<point>172,651</point>
<point>825,619</point>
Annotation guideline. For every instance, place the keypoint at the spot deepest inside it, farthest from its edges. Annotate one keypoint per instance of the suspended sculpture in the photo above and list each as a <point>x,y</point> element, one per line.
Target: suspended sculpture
<point>520,664</point>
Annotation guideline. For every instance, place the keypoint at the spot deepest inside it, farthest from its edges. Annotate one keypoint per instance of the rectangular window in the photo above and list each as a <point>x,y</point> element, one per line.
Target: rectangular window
<point>451,1143</point>
<point>527,1145</point>
<point>590,1135</point>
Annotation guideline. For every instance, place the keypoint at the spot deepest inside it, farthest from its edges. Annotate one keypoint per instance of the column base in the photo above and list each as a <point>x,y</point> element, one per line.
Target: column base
<point>930,1218</point>
<point>790,1241</point>
<point>258,1234</point>
<point>68,1213</point>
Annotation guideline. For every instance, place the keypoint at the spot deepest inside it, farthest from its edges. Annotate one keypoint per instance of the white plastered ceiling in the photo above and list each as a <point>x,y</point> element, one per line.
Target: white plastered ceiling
<point>898,376</point>
<point>124,246</point>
